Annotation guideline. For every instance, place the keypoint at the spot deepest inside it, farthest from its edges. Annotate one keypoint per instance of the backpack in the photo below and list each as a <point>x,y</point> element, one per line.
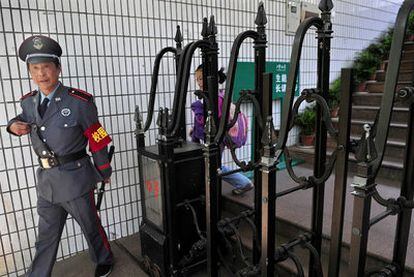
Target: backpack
<point>237,133</point>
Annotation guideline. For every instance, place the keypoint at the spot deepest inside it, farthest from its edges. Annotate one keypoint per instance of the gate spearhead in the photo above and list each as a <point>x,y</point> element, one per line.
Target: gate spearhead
<point>325,5</point>
<point>212,29</point>
<point>138,118</point>
<point>261,18</point>
<point>204,30</point>
<point>178,37</point>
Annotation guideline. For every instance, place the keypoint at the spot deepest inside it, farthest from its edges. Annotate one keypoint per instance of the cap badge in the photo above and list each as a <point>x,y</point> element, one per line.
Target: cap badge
<point>37,43</point>
<point>65,112</point>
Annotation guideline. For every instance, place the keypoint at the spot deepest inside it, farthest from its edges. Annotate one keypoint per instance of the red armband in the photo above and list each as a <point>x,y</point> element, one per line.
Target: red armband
<point>97,136</point>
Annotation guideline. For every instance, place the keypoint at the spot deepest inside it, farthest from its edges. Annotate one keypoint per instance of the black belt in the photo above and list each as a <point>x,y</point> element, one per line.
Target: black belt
<point>53,161</point>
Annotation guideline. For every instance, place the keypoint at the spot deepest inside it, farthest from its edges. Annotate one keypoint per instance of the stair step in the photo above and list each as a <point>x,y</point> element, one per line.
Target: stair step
<point>398,131</point>
<point>407,54</point>
<point>391,168</point>
<point>408,45</point>
<point>404,76</point>
<point>405,65</point>
<point>365,112</point>
<point>371,99</point>
<point>378,87</point>
<point>394,149</point>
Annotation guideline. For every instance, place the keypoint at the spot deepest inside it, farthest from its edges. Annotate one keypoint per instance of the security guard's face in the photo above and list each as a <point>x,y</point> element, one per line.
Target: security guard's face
<point>199,78</point>
<point>45,75</point>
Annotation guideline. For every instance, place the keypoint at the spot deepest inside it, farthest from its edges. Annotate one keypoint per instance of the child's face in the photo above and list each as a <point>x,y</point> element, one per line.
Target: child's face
<point>199,78</point>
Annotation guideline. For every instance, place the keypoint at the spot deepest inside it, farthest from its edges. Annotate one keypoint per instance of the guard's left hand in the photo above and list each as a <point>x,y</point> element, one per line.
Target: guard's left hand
<point>107,181</point>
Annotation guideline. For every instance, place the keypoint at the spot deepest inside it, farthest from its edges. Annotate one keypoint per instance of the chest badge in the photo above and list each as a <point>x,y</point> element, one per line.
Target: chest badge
<point>65,112</point>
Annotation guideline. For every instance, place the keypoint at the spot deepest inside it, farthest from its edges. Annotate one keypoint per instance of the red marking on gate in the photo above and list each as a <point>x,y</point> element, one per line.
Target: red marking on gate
<point>156,189</point>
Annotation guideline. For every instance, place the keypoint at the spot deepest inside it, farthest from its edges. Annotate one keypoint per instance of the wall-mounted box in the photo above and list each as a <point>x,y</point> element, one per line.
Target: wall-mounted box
<point>296,12</point>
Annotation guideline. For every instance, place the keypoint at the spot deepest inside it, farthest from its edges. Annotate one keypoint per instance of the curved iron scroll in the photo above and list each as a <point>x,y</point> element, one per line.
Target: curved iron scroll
<point>182,84</point>
<point>293,72</point>
<point>230,82</point>
<point>154,81</point>
<point>259,120</point>
<point>310,95</point>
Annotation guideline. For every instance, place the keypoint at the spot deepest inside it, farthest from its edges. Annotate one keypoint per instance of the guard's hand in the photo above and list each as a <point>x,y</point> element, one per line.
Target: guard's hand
<point>20,128</point>
<point>107,181</point>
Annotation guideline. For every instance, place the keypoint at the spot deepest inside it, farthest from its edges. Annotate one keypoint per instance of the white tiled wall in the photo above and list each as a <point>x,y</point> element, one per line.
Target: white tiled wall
<point>109,47</point>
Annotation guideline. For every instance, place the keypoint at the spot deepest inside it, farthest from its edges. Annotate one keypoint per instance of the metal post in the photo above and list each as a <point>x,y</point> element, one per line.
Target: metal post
<point>206,69</point>
<point>324,47</point>
<point>166,150</point>
<point>260,62</point>
<point>212,162</point>
<point>407,191</point>
<point>364,187</point>
<point>341,169</point>
<point>268,177</point>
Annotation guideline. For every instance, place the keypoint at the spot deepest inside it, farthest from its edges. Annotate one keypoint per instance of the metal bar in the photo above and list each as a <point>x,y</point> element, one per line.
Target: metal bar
<point>288,191</point>
<point>363,184</point>
<point>166,149</point>
<point>407,190</point>
<point>212,161</point>
<point>268,186</point>
<point>324,48</point>
<point>341,169</point>
<point>265,107</point>
<point>380,217</point>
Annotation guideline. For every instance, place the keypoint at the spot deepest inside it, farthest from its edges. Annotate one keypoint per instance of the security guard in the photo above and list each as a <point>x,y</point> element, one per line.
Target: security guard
<point>61,122</point>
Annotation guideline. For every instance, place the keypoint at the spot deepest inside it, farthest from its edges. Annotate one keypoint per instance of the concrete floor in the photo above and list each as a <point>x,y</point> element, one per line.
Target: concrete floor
<point>125,264</point>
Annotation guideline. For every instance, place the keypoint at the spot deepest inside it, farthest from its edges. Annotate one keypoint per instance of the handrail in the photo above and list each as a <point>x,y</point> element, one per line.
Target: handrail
<point>391,79</point>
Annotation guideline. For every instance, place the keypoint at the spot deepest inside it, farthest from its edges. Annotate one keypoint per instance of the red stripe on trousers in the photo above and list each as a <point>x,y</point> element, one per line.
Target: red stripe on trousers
<point>98,222</point>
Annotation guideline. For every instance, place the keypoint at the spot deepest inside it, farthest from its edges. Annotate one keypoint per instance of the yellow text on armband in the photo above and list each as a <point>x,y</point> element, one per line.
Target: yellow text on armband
<point>99,134</point>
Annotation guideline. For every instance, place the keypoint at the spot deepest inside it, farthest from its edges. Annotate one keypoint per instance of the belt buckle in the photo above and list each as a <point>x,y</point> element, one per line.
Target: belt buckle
<point>44,162</point>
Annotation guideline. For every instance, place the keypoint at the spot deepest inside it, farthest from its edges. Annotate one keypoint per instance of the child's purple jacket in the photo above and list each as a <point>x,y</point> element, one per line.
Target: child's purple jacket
<point>238,132</point>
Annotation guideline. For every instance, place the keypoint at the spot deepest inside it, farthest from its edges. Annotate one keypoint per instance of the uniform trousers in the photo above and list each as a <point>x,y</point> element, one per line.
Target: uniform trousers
<point>52,219</point>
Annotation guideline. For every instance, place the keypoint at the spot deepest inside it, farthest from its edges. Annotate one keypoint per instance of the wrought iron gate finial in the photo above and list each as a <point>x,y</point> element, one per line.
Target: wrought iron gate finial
<point>261,18</point>
<point>325,5</point>
<point>178,38</point>
<point>138,120</point>
<point>204,30</point>
<point>212,29</point>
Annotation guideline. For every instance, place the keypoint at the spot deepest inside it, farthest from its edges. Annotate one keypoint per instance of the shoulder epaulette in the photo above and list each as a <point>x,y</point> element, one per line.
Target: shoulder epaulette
<point>80,94</point>
<point>33,92</point>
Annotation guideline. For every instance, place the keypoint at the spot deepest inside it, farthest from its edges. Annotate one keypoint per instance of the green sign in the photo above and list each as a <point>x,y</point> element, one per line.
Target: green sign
<point>245,78</point>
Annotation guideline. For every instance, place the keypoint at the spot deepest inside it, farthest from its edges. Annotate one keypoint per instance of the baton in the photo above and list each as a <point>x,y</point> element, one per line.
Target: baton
<point>102,188</point>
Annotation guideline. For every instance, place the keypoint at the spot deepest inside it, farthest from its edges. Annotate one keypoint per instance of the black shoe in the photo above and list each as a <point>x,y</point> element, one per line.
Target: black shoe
<point>242,191</point>
<point>103,270</point>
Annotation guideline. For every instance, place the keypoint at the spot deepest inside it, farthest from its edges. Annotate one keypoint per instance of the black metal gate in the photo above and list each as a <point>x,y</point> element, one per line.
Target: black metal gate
<point>217,237</point>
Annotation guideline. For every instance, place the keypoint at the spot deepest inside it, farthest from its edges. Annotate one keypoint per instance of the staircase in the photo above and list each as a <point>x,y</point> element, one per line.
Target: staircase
<point>365,106</point>
<point>293,210</point>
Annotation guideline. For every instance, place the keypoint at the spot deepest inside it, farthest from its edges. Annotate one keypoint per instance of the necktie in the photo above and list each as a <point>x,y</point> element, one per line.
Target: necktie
<point>43,106</point>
